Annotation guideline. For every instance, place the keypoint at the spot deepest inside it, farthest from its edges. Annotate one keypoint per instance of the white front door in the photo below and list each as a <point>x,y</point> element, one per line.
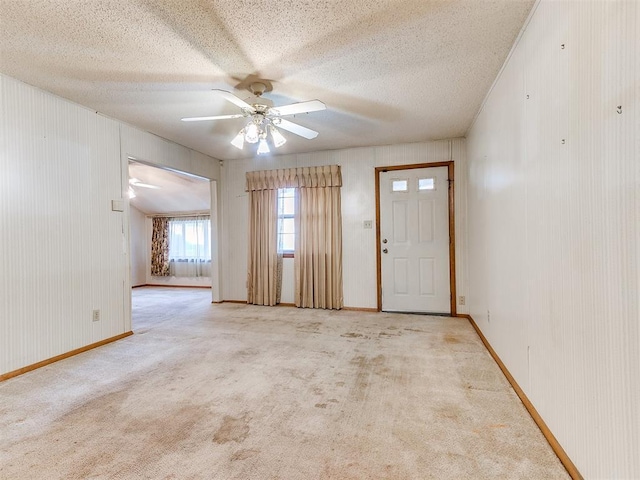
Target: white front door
<point>414,229</point>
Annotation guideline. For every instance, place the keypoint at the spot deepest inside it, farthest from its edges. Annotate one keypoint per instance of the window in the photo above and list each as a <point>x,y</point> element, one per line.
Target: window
<point>286,221</point>
<point>189,239</point>
<point>426,184</point>
<point>399,185</point>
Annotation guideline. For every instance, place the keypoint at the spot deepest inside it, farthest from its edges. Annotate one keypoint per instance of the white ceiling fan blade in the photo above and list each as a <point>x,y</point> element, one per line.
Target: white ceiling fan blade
<point>134,182</point>
<point>297,129</point>
<point>230,97</point>
<point>215,117</point>
<point>302,107</point>
<point>144,185</point>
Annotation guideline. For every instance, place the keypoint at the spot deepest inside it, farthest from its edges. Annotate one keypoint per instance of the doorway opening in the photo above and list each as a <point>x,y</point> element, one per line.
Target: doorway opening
<point>172,231</point>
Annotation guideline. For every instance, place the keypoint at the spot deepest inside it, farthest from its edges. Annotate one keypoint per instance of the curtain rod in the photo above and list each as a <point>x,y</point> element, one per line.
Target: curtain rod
<point>194,214</point>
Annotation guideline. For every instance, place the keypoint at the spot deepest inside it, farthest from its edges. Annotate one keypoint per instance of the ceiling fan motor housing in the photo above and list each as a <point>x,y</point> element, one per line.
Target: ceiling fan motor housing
<point>258,88</point>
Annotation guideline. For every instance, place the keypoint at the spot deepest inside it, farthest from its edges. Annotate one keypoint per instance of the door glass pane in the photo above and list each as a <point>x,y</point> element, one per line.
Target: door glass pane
<point>426,184</point>
<point>399,185</point>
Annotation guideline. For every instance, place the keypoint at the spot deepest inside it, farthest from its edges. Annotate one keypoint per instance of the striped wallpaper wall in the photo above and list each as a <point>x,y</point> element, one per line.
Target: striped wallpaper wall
<point>64,252</point>
<point>554,226</point>
<point>61,244</point>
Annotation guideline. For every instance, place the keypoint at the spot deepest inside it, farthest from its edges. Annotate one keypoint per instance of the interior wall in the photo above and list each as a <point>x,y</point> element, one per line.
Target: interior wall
<point>68,250</point>
<point>553,199</point>
<point>60,239</point>
<point>138,241</point>
<point>358,205</point>
<point>153,150</point>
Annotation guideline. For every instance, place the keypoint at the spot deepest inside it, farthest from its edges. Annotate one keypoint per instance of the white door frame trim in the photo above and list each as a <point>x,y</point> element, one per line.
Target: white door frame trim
<point>452,236</point>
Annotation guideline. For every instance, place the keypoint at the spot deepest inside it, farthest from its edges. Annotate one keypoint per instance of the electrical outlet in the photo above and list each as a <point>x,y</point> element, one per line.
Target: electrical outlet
<point>96,316</point>
<point>461,300</point>
<point>367,224</point>
<point>488,315</point>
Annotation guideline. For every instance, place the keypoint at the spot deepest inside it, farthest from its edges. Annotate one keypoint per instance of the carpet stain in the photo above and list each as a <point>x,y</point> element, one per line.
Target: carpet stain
<point>451,339</point>
<point>363,361</point>
<point>164,436</point>
<point>312,327</point>
<point>389,335</point>
<point>88,467</point>
<point>299,375</point>
<point>450,412</point>
<point>413,330</point>
<point>248,352</point>
<point>233,429</point>
<point>158,437</point>
<point>244,454</point>
<point>318,390</point>
<point>101,409</point>
<point>352,335</point>
<point>320,405</point>
<point>485,428</point>
<point>365,368</point>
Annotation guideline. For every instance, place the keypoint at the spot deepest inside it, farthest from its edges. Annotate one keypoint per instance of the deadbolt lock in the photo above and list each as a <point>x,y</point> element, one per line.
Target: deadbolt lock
<point>385,251</point>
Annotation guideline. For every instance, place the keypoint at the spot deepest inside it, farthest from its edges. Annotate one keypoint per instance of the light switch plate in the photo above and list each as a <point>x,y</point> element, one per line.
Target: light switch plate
<point>117,205</point>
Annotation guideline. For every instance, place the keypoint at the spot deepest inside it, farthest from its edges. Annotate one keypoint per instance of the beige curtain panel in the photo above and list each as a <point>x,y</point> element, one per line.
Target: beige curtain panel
<point>264,275</point>
<point>318,252</point>
<point>160,247</point>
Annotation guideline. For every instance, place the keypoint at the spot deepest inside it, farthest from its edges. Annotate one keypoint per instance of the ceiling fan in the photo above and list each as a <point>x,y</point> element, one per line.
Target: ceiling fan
<point>264,119</point>
<point>134,182</point>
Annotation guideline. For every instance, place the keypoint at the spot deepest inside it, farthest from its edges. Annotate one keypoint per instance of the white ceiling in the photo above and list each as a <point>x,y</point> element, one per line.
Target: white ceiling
<point>177,192</point>
<point>389,71</point>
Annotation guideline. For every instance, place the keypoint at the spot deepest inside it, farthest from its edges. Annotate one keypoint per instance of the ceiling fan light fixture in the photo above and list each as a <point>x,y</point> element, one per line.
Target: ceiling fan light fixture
<point>238,141</point>
<point>251,133</point>
<point>278,138</point>
<point>263,117</point>
<point>263,147</point>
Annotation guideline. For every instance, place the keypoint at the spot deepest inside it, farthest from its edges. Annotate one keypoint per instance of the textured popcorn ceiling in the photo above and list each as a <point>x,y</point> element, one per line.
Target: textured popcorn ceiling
<point>389,71</point>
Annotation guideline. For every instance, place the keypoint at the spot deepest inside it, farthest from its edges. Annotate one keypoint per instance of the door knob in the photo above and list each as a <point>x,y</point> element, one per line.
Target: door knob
<point>384,240</point>
<point>385,251</point>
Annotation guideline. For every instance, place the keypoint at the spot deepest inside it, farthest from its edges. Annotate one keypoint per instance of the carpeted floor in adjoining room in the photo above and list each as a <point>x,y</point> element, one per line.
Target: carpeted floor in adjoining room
<point>204,391</point>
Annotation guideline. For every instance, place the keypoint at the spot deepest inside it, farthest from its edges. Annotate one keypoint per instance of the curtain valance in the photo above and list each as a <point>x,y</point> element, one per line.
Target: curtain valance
<point>301,177</point>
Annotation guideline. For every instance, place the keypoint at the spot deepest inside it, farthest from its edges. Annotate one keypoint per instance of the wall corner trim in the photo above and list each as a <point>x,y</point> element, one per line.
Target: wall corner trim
<point>553,442</point>
<point>43,363</point>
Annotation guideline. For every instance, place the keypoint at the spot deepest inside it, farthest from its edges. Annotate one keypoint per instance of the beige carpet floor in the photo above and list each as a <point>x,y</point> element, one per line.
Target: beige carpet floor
<point>232,391</point>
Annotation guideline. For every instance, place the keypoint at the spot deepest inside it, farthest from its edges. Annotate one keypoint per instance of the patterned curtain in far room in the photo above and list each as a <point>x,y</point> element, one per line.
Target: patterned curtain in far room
<point>160,247</point>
